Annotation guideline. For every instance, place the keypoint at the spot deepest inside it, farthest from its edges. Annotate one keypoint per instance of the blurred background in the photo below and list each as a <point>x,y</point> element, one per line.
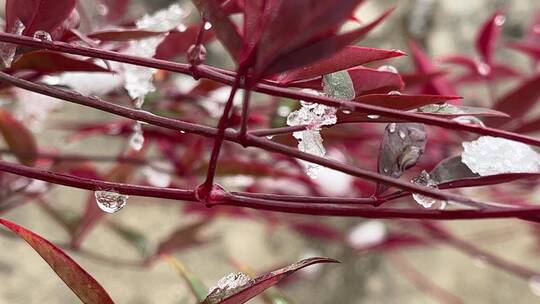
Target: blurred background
<point>443,27</point>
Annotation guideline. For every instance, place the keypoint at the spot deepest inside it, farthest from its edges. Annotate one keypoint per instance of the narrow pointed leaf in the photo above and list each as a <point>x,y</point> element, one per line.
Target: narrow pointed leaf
<point>260,284</point>
<point>321,49</point>
<point>52,62</point>
<point>45,15</point>
<point>488,35</point>
<point>528,48</point>
<point>370,81</point>
<point>76,278</point>
<point>18,138</point>
<point>348,57</point>
<point>197,287</point>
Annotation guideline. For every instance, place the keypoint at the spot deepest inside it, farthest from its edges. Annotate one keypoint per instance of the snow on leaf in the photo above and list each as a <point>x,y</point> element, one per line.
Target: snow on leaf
<point>493,155</point>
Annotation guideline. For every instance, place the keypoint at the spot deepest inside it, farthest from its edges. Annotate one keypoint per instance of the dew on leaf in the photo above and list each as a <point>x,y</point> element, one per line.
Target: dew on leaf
<point>387,68</point>
<point>373,116</point>
<point>228,286</point>
<point>425,201</point>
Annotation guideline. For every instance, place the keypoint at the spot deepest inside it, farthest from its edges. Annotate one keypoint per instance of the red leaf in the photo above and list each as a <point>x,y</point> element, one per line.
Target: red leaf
<point>416,79</point>
<point>424,66</point>
<point>488,35</point>
<point>225,29</point>
<point>528,48</point>
<point>19,139</point>
<point>177,43</point>
<point>350,56</point>
<point>292,25</point>
<point>122,34</point>
<point>518,101</point>
<point>315,51</point>
<point>261,283</point>
<point>53,62</point>
<point>76,278</point>
<point>497,72</point>
<point>45,15</point>
<point>370,81</point>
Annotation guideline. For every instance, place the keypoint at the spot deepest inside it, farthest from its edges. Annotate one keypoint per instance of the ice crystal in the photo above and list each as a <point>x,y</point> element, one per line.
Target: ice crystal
<point>427,202</point>
<point>7,50</point>
<point>310,141</point>
<point>228,286</point>
<point>138,79</point>
<point>494,155</point>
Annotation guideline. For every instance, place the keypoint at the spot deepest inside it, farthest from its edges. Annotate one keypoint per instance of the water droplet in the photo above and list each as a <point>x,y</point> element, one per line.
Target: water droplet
<point>386,170</point>
<point>402,134</point>
<point>392,127</point>
<point>483,69</point>
<point>499,20</point>
<point>394,93</point>
<point>110,201</point>
<point>227,286</point>
<point>425,201</point>
<point>534,285</point>
<point>207,25</point>
<point>471,120</point>
<point>182,131</point>
<point>387,68</point>
<point>270,136</point>
<point>374,116</point>
<point>138,102</point>
<point>181,28</point>
<point>346,112</point>
<point>103,9</point>
<point>42,35</point>
<point>136,140</point>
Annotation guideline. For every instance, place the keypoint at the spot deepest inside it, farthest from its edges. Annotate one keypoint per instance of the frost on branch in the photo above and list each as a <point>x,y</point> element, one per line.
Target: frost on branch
<point>310,141</point>
<point>493,155</point>
<point>138,79</point>
<point>424,179</point>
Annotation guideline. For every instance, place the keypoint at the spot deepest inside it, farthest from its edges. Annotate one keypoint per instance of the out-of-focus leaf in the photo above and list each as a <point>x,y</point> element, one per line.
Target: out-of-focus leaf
<point>314,51</point>
<point>496,72</point>
<point>53,62</point>
<point>44,15</point>
<point>529,126</point>
<point>401,147</point>
<point>182,238</point>
<point>488,35</point>
<point>528,48</point>
<point>77,279</point>
<point>225,29</point>
<point>417,79</point>
<point>316,230</point>
<point>519,100</point>
<point>18,138</point>
<point>424,66</point>
<point>197,287</point>
<point>350,56</point>
<point>256,286</point>
<point>132,236</point>
<point>177,43</point>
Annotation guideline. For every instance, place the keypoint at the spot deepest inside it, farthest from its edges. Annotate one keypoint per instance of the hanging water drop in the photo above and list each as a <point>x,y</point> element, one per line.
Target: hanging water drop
<point>110,201</point>
<point>270,136</point>
<point>136,140</point>
<point>394,93</point>
<point>373,116</point>
<point>387,68</point>
<point>43,36</point>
